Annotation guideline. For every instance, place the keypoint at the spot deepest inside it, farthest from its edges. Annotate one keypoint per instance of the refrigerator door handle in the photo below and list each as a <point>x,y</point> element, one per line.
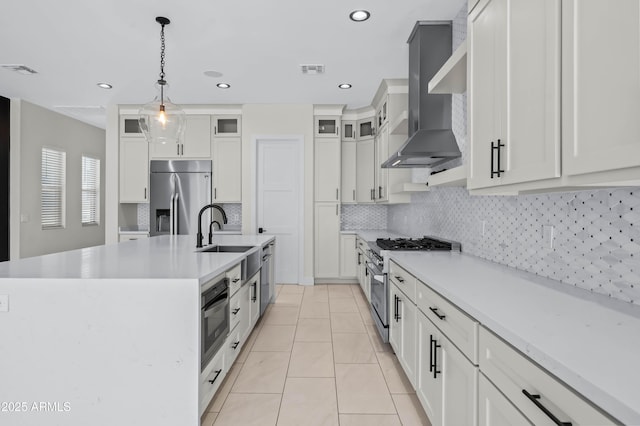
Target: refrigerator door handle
<point>175,213</point>
<point>171,215</point>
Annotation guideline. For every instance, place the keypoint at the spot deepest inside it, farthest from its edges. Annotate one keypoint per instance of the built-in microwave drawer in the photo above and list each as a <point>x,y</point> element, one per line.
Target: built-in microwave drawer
<point>531,389</point>
<point>460,328</point>
<point>235,279</point>
<point>403,280</point>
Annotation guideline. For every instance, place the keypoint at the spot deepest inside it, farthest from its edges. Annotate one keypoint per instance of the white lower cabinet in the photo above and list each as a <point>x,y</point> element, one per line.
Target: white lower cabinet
<point>327,240</point>
<point>233,345</point>
<point>348,256</point>
<point>446,382</point>
<point>402,331</point>
<point>211,377</point>
<point>495,409</point>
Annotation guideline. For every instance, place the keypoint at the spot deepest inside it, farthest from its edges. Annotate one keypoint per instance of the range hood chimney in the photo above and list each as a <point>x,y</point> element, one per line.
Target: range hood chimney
<point>431,141</point>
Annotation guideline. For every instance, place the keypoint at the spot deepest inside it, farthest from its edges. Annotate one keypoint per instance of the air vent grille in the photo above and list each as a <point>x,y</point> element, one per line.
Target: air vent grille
<point>312,68</point>
<point>21,69</point>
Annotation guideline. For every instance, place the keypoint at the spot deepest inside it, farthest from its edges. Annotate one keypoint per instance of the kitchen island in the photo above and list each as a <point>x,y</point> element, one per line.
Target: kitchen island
<point>108,335</point>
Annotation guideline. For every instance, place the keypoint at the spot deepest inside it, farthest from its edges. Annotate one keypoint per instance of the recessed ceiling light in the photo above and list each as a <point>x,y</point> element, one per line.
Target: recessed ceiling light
<point>223,85</point>
<point>104,85</point>
<point>359,15</point>
<point>344,86</point>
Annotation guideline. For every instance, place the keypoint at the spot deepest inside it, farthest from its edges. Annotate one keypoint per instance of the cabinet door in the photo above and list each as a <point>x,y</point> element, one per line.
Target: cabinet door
<point>515,51</point>
<point>227,170</point>
<point>227,125</point>
<point>459,384</point>
<point>164,150</point>
<point>327,127</point>
<point>395,326</point>
<point>382,153</point>
<point>327,169</point>
<point>365,170</point>
<point>366,128</point>
<point>348,172</point>
<point>197,137</point>
<point>348,256</point>
<point>428,389</point>
<point>495,409</point>
<point>327,240</point>
<point>349,131</point>
<point>601,87</point>
<point>408,326</point>
<point>134,170</point>
<point>130,127</point>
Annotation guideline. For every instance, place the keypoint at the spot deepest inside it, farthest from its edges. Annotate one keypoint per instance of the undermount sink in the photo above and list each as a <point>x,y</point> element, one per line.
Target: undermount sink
<point>227,249</point>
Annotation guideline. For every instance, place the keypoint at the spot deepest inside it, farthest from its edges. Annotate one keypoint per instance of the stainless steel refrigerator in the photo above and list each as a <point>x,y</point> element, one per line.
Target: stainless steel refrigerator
<point>178,190</point>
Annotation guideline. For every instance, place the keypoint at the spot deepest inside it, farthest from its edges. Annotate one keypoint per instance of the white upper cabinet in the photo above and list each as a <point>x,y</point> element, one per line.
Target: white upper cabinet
<point>227,125</point>
<point>134,170</point>
<point>327,127</point>
<point>327,169</point>
<point>366,128</point>
<point>195,143</point>
<point>348,172</point>
<point>514,91</point>
<point>348,130</point>
<point>365,171</point>
<point>130,126</point>
<point>601,85</point>
<point>227,170</point>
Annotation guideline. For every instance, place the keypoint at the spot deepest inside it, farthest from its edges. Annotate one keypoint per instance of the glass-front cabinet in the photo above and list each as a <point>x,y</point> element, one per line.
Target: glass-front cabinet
<point>327,127</point>
<point>348,131</point>
<point>366,128</point>
<point>227,125</point>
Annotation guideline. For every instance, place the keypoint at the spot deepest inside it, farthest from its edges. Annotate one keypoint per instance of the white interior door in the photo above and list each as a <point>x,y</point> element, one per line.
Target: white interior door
<point>279,204</point>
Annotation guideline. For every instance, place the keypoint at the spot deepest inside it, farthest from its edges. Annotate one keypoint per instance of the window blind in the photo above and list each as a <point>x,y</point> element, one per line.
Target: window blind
<point>90,190</point>
<point>52,198</point>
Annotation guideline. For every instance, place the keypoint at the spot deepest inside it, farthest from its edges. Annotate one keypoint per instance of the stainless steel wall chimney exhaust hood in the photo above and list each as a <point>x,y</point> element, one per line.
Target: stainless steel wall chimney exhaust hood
<point>431,140</point>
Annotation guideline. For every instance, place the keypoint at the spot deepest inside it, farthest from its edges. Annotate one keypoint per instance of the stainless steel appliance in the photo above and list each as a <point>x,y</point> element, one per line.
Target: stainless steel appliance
<point>378,268</point>
<point>214,319</point>
<point>266,275</point>
<point>178,190</point>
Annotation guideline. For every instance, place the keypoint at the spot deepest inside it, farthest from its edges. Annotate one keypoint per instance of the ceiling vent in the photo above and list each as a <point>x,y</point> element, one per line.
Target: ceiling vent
<point>312,69</point>
<point>21,69</point>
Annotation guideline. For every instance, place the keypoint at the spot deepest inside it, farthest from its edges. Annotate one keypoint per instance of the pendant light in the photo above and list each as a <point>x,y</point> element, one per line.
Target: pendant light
<point>161,120</point>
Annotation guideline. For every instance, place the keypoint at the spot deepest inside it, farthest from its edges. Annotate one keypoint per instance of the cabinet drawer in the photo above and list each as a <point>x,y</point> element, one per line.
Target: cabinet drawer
<point>513,374</point>
<point>235,279</point>
<point>210,379</point>
<point>403,280</point>
<point>460,328</point>
<point>235,311</point>
<point>233,345</point>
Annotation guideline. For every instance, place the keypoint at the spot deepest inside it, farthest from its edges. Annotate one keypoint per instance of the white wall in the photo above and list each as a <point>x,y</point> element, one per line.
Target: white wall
<point>37,127</point>
<point>279,120</point>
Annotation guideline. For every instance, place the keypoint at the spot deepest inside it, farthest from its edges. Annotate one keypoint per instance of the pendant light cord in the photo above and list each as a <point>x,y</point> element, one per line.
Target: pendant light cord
<point>162,54</point>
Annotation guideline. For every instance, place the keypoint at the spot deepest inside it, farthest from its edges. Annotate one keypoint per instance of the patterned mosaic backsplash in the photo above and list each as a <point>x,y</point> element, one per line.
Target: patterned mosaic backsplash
<point>233,211</point>
<point>363,216</point>
<point>596,234</point>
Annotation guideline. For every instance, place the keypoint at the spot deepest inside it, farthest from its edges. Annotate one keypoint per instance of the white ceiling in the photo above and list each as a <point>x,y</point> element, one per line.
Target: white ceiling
<point>257,46</point>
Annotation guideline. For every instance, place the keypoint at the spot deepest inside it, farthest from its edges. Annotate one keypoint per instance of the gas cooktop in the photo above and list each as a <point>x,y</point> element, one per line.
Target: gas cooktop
<point>424,243</point>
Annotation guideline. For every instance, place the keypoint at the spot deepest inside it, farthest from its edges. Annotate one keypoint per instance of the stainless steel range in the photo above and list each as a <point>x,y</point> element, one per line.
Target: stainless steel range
<point>378,268</point>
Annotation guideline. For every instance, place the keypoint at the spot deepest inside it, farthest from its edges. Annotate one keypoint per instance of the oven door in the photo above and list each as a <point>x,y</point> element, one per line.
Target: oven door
<point>214,320</point>
<point>379,302</point>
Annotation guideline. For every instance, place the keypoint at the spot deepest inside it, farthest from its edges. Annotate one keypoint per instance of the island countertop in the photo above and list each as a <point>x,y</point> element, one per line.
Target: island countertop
<point>161,257</point>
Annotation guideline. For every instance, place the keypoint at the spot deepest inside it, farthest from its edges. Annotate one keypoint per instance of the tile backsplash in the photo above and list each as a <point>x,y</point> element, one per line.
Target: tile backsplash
<point>595,234</point>
<point>233,211</point>
<point>363,216</point>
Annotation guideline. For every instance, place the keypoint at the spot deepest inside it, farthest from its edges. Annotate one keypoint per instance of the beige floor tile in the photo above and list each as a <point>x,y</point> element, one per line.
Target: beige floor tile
<point>343,305</point>
<point>338,291</point>
<point>292,288</point>
<point>397,381</point>
<point>262,372</point>
<point>369,420</point>
<point>409,410</point>
<point>346,323</point>
<point>282,315</point>
<point>311,359</point>
<point>353,348</point>
<point>248,345</point>
<point>314,309</point>
<point>274,338</point>
<point>362,390</point>
<point>313,330</point>
<point>208,419</point>
<point>314,294</point>
<point>288,299</point>
<point>224,389</point>
<point>249,410</point>
<point>309,402</point>
<point>376,340</point>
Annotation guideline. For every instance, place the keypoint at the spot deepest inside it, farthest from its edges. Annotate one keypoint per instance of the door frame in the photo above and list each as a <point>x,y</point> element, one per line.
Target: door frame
<point>299,141</point>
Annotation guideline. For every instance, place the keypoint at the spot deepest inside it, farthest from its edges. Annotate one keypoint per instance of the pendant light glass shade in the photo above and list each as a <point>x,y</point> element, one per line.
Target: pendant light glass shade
<point>161,120</point>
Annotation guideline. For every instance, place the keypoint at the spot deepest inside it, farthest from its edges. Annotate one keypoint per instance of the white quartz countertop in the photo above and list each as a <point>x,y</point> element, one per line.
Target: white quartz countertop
<point>162,257</point>
<point>588,341</point>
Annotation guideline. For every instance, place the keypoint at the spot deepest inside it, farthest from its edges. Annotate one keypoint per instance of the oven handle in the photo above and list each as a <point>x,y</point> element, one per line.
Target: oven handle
<point>375,272</point>
<point>216,305</point>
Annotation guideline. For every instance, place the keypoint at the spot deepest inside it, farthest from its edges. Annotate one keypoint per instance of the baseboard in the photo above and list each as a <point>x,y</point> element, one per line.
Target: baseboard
<point>336,281</point>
